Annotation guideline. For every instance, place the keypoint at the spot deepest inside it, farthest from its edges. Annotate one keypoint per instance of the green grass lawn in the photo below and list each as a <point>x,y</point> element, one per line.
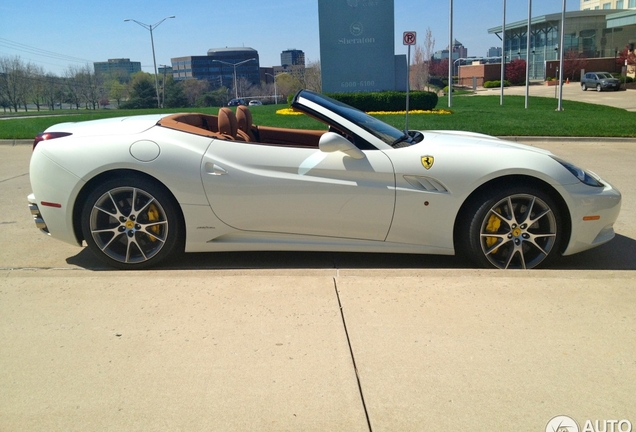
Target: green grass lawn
<point>482,114</point>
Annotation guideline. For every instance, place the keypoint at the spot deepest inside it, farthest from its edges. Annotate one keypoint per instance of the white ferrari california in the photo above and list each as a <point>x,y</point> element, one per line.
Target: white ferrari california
<point>140,189</point>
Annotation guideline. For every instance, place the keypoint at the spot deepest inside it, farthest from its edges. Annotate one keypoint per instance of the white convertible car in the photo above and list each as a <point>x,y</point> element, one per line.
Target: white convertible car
<point>139,189</point>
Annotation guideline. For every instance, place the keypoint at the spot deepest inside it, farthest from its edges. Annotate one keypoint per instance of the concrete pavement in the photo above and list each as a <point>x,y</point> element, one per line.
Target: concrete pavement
<point>271,342</point>
<point>624,99</point>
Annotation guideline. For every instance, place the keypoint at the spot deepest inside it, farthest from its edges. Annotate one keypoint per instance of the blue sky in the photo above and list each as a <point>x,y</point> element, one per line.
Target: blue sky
<point>56,34</point>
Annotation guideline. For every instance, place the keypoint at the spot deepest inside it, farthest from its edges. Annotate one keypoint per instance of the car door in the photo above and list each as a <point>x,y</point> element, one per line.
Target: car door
<point>293,190</point>
<point>594,79</point>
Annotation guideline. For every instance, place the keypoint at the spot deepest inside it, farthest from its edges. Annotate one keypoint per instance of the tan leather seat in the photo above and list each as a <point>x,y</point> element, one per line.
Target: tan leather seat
<point>228,125</point>
<point>244,118</point>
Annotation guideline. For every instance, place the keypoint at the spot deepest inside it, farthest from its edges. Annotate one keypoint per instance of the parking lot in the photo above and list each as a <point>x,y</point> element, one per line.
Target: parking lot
<point>314,341</point>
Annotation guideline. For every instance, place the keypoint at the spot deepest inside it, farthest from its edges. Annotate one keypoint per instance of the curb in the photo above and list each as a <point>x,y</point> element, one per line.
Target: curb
<point>534,139</point>
<point>15,142</point>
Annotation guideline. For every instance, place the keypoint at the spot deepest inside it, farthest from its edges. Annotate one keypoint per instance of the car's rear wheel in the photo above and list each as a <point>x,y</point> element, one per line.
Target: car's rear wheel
<point>598,87</point>
<point>516,228</point>
<point>131,222</point>
<point>583,87</point>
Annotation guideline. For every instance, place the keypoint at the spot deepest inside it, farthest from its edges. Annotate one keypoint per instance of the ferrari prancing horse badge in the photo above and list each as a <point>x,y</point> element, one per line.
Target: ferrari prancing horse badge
<point>428,161</point>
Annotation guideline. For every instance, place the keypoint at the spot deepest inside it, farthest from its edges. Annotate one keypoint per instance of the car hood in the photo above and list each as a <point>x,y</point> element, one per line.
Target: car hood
<point>110,126</point>
<point>461,139</point>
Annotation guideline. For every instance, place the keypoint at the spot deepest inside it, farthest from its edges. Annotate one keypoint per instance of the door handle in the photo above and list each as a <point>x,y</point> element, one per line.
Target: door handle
<point>214,169</point>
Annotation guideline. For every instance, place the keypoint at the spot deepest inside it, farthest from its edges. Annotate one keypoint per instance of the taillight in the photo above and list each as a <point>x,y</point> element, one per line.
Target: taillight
<point>45,136</point>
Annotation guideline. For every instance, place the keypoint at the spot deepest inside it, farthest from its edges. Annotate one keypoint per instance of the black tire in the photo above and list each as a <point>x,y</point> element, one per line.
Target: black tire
<point>132,223</point>
<point>518,227</point>
<point>599,88</point>
<point>583,87</point>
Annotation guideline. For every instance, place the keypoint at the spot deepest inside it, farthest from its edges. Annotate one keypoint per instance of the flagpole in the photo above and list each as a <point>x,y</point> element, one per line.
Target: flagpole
<point>503,53</point>
<point>450,58</point>
<point>528,52</point>
<point>561,55</point>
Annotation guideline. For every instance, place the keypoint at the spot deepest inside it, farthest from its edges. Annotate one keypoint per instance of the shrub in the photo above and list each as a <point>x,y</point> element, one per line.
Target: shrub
<point>388,100</point>
<point>438,82</point>
<point>495,84</point>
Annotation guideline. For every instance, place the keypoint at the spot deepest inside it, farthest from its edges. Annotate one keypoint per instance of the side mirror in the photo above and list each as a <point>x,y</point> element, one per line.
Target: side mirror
<point>331,142</point>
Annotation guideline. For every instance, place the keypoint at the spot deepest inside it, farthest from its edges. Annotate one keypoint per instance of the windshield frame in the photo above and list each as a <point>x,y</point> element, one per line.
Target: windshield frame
<point>382,131</point>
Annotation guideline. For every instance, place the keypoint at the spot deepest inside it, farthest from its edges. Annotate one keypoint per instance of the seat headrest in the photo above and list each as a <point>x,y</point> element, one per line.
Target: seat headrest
<point>244,118</point>
<point>228,124</point>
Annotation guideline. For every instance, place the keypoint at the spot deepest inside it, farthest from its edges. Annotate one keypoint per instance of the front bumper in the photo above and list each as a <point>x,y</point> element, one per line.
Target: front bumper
<point>613,86</point>
<point>593,215</point>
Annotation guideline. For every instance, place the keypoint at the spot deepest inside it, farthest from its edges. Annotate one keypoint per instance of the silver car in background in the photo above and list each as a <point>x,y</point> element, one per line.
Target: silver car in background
<point>600,81</point>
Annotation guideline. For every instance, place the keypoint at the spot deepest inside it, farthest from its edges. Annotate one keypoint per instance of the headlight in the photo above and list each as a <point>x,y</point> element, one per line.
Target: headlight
<point>584,176</point>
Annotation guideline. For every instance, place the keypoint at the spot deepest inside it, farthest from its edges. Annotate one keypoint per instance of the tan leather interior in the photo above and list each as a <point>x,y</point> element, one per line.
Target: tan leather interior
<point>199,124</point>
<point>244,118</point>
<point>225,126</point>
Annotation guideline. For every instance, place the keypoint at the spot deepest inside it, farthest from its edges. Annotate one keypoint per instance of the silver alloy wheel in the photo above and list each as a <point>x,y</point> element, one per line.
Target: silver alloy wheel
<point>128,225</point>
<point>518,232</point>
<point>598,87</point>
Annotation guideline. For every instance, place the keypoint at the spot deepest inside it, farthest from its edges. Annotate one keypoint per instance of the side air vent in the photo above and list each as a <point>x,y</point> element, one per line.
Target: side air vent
<point>426,184</point>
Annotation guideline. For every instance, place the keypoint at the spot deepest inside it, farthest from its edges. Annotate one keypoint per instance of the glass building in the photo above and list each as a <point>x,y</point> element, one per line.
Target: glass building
<point>589,33</point>
<point>292,57</point>
<point>122,67</point>
<point>218,66</point>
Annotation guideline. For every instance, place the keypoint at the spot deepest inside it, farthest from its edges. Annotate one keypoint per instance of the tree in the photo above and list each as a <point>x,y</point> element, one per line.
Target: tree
<point>288,84</point>
<point>117,91</point>
<point>14,83</point>
<point>516,71</point>
<point>37,89</point>
<point>173,93</point>
<point>143,93</point>
<point>313,76</point>
<point>573,62</point>
<point>193,89</point>
<point>214,98</point>
<point>627,56</point>
<point>73,84</point>
<point>421,69</point>
<point>439,68</point>
<point>88,87</point>
<point>245,87</point>
<point>52,90</point>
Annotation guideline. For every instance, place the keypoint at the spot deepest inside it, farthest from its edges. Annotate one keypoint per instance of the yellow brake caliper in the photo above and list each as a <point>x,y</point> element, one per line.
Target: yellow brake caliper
<point>153,216</point>
<point>494,223</point>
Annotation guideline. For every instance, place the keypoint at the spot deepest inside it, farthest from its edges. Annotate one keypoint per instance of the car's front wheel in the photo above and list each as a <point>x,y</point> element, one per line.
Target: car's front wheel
<point>583,87</point>
<point>598,88</point>
<point>517,228</point>
<point>131,222</point>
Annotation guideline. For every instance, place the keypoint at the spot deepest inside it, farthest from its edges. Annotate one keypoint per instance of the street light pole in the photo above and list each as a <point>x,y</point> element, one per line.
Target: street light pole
<point>275,87</point>
<point>234,65</point>
<point>152,42</point>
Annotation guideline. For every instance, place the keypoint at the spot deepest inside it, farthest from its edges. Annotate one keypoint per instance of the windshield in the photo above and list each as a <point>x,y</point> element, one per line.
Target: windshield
<point>387,133</point>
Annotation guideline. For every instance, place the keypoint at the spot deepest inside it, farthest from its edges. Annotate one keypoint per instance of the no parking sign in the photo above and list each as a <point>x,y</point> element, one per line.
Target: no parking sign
<point>409,38</point>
